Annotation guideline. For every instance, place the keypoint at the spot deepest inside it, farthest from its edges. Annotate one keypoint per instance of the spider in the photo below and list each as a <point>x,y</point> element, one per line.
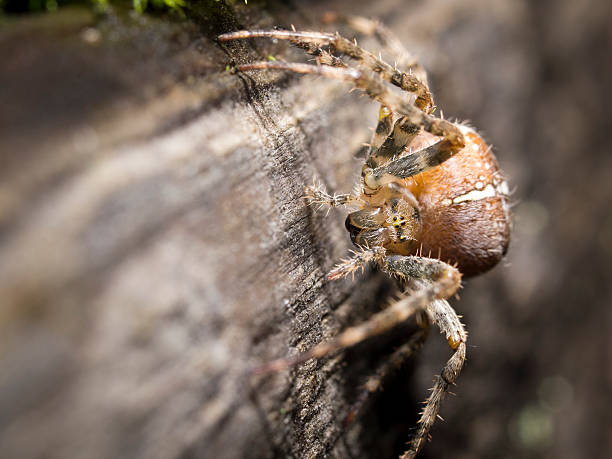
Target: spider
<point>428,186</point>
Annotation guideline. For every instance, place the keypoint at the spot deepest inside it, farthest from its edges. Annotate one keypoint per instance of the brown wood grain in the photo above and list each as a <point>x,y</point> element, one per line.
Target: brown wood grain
<point>156,244</point>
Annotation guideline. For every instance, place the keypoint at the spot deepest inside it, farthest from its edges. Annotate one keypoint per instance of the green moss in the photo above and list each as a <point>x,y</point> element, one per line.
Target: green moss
<point>174,5</point>
<point>10,7</point>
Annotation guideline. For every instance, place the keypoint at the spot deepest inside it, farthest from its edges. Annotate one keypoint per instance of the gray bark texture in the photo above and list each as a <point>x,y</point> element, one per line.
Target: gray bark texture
<point>155,244</point>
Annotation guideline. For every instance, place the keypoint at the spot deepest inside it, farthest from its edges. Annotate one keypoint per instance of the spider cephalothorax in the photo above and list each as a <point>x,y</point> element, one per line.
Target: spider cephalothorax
<point>431,206</point>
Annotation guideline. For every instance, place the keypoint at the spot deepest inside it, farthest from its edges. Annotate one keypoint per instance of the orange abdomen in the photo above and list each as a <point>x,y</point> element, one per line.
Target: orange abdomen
<point>464,208</point>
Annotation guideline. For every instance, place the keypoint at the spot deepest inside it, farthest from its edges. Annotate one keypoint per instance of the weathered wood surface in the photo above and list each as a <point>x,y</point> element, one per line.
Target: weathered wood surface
<point>154,243</point>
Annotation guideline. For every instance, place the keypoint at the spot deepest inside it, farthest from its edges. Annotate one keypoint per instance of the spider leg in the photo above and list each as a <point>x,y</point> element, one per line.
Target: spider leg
<point>395,142</point>
<point>444,316</point>
<point>403,132</point>
<point>408,165</point>
<point>435,279</point>
<point>447,378</point>
<point>388,366</point>
<point>361,258</point>
<point>386,144</point>
<point>383,129</point>
<point>390,43</point>
<point>322,56</point>
<point>405,81</point>
<point>316,195</point>
<point>431,282</point>
<point>445,280</point>
<point>384,320</point>
<point>376,89</point>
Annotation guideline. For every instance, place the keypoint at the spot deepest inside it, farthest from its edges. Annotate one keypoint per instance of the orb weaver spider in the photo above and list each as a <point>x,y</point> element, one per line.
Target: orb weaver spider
<point>428,186</point>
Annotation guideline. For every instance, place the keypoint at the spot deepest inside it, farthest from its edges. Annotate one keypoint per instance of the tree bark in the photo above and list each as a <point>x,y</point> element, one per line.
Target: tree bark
<point>156,244</point>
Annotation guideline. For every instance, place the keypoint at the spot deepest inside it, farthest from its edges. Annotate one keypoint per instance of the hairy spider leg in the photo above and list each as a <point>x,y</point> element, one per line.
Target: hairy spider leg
<point>437,281</point>
<point>322,56</point>
<point>386,144</point>
<point>415,163</point>
<point>403,131</point>
<point>432,278</point>
<point>402,167</point>
<point>405,128</point>
<point>444,316</point>
<point>390,43</point>
<point>389,365</point>
<point>396,140</point>
<point>405,81</point>
<point>444,280</point>
<point>361,258</point>
<point>383,129</point>
<point>378,323</point>
<point>316,195</point>
<point>373,86</point>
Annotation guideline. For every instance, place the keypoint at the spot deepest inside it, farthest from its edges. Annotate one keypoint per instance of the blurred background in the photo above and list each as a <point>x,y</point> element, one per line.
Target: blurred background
<point>119,294</point>
<point>535,81</point>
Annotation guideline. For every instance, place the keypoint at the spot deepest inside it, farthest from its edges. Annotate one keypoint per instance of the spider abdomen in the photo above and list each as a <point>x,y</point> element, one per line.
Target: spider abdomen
<point>464,208</point>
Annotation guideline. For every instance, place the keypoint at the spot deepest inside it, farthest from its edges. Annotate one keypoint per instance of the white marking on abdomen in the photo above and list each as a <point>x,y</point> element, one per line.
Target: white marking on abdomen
<point>476,195</point>
<point>488,192</point>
